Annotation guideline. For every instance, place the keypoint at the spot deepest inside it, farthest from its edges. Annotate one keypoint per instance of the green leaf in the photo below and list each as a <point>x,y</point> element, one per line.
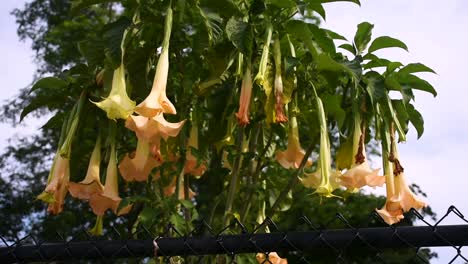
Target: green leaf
<point>93,51</point>
<point>112,36</point>
<point>300,30</point>
<point>375,61</point>
<point>386,42</point>
<point>363,36</point>
<point>415,67</point>
<point>401,114</point>
<point>334,35</point>
<point>321,37</point>
<point>317,7</point>
<point>416,83</point>
<point>326,63</point>
<point>187,204</point>
<point>392,66</point>
<point>49,83</point>
<point>348,47</point>
<point>375,86</point>
<point>416,119</point>
<point>240,34</point>
<point>332,105</point>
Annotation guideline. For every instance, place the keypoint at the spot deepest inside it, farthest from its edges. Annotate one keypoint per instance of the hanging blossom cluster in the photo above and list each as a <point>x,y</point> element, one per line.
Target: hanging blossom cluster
<point>275,98</point>
<point>148,123</point>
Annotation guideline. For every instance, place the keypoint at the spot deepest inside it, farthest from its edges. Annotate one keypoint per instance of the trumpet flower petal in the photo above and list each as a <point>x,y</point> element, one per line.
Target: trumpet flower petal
<point>152,129</point>
<point>407,198</point>
<point>117,104</point>
<point>293,155</point>
<point>272,258</point>
<point>109,198</point>
<point>56,189</point>
<point>138,165</point>
<point>192,165</point>
<point>91,183</point>
<point>360,174</point>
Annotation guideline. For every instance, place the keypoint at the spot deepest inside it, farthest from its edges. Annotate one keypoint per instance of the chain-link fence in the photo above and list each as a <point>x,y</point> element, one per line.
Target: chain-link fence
<point>308,243</point>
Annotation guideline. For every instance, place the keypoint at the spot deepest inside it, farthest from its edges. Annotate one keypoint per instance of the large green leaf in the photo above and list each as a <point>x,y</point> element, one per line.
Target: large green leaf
<point>300,30</point>
<point>363,36</point>
<point>415,67</point>
<point>322,38</point>
<point>416,119</point>
<point>240,34</point>
<point>375,86</point>
<point>348,47</point>
<point>386,42</point>
<point>326,63</point>
<point>317,7</point>
<point>49,83</point>
<point>93,51</point>
<point>416,83</point>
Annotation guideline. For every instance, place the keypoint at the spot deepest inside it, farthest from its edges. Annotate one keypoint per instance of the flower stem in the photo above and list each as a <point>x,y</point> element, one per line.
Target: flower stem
<point>292,181</point>
<point>234,177</point>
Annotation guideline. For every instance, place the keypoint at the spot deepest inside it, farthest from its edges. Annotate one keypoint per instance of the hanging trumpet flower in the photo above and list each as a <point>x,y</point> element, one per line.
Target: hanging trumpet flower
<point>117,105</point>
<point>245,97</point>
<point>280,116</point>
<point>91,183</point>
<point>391,212</point>
<point>138,165</point>
<point>109,198</point>
<point>360,174</point>
<point>59,175</point>
<point>157,101</point>
<point>324,169</point>
<point>192,165</point>
<point>262,68</point>
<point>400,198</point>
<point>293,155</point>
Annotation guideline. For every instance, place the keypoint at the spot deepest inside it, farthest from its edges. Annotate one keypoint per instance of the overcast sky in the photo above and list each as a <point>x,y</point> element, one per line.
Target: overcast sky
<point>436,33</point>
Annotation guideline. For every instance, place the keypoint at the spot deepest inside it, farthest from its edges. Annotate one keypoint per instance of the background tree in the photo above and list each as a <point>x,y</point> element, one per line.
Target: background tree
<point>198,38</point>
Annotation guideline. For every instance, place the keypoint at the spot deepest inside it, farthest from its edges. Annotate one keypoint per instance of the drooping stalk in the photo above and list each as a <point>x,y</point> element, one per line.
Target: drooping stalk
<point>234,176</point>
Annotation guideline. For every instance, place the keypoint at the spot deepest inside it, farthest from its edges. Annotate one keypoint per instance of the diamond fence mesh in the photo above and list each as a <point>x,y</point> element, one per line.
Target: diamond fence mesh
<point>310,243</point>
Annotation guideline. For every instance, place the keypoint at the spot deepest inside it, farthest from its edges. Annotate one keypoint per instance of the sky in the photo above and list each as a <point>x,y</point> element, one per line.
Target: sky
<point>436,35</point>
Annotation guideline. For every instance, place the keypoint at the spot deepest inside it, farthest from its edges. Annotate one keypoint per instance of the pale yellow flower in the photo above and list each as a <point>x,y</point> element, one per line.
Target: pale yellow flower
<point>117,104</point>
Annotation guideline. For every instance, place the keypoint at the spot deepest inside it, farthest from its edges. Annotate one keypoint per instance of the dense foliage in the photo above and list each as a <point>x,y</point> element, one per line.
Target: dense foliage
<point>242,84</point>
